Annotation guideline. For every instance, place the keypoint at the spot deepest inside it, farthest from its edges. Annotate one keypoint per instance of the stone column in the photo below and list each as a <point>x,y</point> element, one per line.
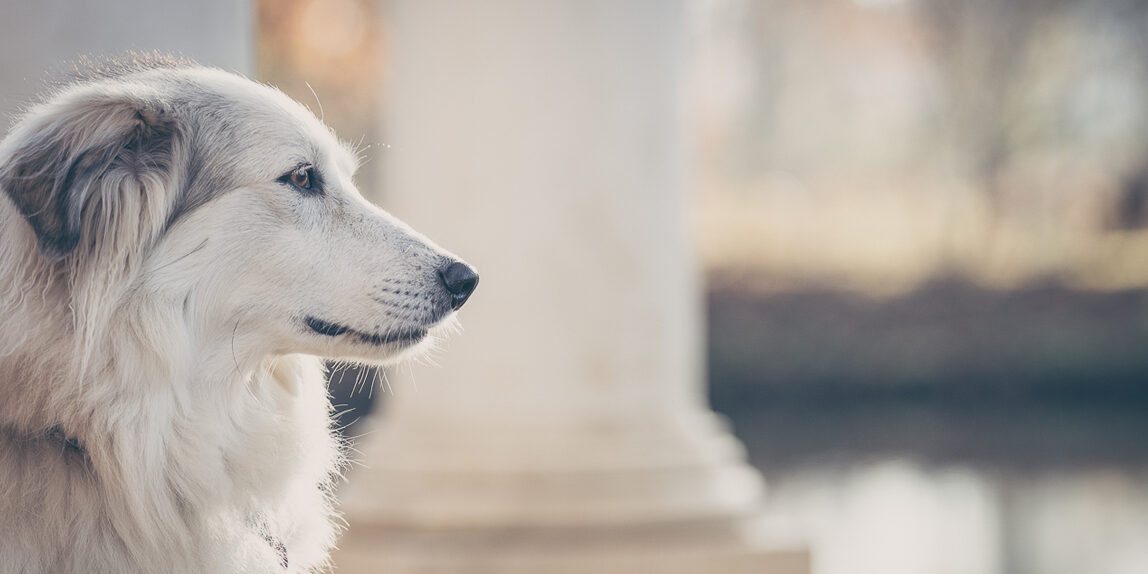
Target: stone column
<point>43,36</point>
<point>566,428</point>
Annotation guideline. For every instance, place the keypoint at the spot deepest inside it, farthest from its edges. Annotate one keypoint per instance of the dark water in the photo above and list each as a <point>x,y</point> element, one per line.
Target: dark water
<point>909,488</point>
<point>952,431</point>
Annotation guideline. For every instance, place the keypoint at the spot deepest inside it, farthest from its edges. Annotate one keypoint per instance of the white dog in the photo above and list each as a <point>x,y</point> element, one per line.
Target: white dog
<point>177,245</point>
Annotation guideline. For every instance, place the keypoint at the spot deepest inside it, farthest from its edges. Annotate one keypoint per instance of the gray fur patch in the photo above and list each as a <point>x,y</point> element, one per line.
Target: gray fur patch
<point>53,177</point>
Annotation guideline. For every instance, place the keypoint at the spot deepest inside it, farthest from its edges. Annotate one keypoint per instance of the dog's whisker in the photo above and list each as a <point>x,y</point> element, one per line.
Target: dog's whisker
<point>322,115</point>
<point>361,379</point>
<point>386,381</point>
<point>234,355</point>
<point>197,249</point>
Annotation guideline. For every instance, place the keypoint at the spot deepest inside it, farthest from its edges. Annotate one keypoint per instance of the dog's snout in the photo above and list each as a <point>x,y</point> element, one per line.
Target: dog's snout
<point>460,280</point>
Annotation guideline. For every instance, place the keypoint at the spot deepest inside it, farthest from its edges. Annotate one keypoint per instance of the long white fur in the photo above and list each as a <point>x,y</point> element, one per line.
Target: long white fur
<point>172,351</point>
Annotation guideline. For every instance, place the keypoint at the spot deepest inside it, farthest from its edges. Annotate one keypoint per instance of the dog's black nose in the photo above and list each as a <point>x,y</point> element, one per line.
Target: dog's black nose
<point>460,280</point>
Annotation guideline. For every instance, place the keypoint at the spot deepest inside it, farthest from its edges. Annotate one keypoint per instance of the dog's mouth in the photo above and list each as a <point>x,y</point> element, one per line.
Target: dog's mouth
<point>402,337</point>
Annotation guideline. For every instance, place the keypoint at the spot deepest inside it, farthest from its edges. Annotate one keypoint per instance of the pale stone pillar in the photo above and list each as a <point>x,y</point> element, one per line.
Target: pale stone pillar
<point>42,36</point>
<point>566,428</point>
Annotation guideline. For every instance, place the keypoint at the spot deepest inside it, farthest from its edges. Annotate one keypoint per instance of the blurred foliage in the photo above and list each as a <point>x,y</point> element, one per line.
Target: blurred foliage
<point>873,145</point>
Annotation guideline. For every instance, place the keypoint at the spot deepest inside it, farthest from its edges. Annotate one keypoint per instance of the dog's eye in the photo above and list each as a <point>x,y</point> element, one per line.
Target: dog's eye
<point>302,177</point>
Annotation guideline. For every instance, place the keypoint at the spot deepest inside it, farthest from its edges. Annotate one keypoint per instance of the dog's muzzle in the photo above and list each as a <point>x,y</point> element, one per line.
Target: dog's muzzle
<point>460,280</point>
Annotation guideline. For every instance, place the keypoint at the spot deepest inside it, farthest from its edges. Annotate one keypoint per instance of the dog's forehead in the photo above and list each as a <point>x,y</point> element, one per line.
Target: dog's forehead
<point>257,109</point>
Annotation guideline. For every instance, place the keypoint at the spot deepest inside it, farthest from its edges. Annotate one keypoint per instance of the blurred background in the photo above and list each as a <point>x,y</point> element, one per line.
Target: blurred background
<point>924,231</point>
<point>923,227</point>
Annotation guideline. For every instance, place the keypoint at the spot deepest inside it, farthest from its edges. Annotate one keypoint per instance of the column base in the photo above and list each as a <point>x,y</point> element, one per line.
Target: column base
<point>696,547</point>
<point>667,495</point>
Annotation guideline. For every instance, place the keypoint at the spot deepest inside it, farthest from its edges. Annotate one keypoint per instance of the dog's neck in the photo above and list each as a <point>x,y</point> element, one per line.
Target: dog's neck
<point>199,426</point>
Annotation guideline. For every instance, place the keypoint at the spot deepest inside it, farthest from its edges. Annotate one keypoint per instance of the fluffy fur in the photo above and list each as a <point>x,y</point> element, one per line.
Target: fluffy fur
<point>165,288</point>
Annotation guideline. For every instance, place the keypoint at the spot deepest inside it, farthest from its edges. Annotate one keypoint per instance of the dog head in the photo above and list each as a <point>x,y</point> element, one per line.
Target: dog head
<point>227,203</point>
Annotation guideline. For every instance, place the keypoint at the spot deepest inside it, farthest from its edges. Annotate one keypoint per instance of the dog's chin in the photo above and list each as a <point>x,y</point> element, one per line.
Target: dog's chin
<point>387,347</point>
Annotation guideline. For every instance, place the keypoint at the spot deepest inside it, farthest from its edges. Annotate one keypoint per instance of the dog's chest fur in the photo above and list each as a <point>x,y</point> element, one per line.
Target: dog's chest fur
<point>221,473</point>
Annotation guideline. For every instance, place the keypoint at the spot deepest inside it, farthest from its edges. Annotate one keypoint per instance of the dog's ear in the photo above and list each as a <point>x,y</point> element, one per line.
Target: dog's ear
<point>71,164</point>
